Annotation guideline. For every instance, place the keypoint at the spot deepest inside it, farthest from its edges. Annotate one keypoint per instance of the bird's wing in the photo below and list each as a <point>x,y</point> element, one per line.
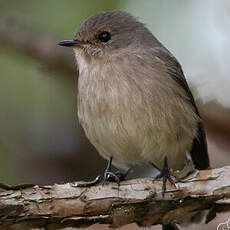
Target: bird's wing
<point>199,152</point>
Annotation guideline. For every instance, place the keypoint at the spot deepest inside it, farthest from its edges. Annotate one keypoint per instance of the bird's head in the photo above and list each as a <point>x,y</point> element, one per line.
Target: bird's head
<point>108,33</point>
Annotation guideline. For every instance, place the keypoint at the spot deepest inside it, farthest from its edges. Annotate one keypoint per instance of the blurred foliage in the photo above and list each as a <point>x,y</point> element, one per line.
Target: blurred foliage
<point>38,108</point>
<point>60,17</point>
<point>6,166</point>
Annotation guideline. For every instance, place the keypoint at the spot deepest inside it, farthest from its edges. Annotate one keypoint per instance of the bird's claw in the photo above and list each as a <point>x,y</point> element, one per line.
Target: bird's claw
<point>111,176</point>
<point>114,177</point>
<point>166,176</point>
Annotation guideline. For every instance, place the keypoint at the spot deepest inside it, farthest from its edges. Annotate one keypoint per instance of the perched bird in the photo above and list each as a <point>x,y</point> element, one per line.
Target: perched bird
<point>133,100</point>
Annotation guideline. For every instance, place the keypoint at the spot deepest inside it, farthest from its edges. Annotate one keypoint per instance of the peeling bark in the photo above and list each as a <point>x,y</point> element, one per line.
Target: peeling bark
<point>134,201</point>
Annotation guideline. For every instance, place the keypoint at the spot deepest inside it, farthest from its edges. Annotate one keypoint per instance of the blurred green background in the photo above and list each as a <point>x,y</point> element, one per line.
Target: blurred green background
<point>40,139</point>
<point>38,117</point>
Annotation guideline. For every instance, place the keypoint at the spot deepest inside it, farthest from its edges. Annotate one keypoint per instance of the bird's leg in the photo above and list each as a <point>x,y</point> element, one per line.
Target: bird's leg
<point>165,175</point>
<point>111,176</point>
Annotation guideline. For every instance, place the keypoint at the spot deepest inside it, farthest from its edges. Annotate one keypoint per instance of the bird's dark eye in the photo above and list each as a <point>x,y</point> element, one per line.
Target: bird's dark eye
<point>104,36</point>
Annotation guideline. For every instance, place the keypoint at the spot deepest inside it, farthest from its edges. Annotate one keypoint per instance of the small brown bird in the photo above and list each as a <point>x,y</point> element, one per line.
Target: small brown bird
<point>133,100</point>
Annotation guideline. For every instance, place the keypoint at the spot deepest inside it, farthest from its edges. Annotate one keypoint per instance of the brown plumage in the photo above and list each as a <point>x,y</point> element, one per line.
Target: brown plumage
<point>133,100</point>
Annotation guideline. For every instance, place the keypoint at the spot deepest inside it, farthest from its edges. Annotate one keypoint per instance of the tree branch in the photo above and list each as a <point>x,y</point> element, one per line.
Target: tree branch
<point>134,201</point>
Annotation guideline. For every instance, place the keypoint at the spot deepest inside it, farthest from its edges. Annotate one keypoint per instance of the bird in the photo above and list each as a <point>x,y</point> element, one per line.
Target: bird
<point>134,102</point>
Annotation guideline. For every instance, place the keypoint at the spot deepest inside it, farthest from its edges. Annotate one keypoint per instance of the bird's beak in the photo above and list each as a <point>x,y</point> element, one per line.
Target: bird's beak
<point>70,43</point>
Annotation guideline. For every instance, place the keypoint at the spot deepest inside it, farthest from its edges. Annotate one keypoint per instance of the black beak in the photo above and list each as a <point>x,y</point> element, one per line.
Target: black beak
<point>70,43</point>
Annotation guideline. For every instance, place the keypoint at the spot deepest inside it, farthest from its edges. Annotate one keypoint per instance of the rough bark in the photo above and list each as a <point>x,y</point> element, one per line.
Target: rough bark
<point>134,201</point>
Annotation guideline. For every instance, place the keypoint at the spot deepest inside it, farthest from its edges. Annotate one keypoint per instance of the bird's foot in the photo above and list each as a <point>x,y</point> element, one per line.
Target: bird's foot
<point>165,174</point>
<point>114,176</point>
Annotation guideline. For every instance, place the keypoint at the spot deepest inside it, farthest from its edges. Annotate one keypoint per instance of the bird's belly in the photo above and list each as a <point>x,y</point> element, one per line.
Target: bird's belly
<point>133,139</point>
<point>112,139</point>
